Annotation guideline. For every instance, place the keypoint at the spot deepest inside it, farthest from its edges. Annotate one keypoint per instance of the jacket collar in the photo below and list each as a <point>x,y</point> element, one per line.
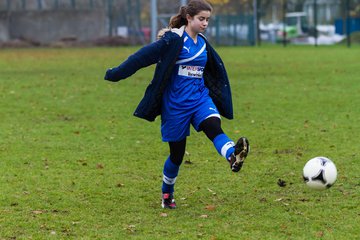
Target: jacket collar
<point>179,31</point>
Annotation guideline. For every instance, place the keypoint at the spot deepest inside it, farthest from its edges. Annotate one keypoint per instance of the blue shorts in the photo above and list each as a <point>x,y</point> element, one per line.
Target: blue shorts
<point>176,126</point>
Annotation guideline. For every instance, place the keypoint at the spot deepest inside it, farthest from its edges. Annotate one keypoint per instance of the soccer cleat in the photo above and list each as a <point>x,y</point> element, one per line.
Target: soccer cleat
<point>168,201</point>
<point>242,148</point>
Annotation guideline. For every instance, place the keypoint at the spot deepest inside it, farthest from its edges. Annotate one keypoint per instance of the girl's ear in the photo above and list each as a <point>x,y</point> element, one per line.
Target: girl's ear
<point>188,17</point>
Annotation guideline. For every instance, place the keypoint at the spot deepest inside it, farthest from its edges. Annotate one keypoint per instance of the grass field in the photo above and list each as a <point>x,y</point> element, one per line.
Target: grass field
<point>75,163</point>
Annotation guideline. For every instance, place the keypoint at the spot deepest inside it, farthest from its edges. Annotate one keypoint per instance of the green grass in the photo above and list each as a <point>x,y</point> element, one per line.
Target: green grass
<point>75,163</point>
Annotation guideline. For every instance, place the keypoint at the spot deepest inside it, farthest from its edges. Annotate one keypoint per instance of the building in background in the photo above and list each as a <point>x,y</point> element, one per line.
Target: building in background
<point>327,11</point>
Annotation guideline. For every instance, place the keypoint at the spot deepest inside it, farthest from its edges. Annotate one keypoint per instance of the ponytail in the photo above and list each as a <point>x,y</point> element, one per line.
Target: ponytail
<point>193,8</point>
<point>180,19</point>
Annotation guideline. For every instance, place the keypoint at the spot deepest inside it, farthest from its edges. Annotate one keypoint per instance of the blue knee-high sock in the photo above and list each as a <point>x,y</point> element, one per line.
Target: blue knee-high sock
<point>170,172</point>
<point>224,145</point>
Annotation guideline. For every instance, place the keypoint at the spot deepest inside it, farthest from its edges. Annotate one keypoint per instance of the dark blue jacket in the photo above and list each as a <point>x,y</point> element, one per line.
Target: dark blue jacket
<point>165,52</point>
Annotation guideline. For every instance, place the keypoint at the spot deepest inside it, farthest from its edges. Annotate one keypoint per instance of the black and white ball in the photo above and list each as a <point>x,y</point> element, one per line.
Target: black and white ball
<point>319,173</point>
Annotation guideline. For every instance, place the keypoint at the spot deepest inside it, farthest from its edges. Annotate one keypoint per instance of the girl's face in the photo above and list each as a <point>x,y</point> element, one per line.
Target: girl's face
<point>199,22</point>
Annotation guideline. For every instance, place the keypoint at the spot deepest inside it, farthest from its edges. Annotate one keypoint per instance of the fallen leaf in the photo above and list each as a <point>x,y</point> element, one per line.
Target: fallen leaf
<point>263,199</point>
<point>210,207</point>
<point>37,212</point>
<point>214,193</point>
<point>320,234</point>
<point>131,228</point>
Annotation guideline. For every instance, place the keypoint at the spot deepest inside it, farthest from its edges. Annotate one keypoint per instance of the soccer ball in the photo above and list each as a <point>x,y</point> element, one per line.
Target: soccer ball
<point>319,173</point>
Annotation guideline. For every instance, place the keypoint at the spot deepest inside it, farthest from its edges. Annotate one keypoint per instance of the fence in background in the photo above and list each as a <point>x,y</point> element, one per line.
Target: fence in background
<point>307,21</point>
<point>14,5</point>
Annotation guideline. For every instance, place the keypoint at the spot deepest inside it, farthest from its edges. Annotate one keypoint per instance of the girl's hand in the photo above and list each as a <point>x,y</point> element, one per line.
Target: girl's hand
<point>109,75</point>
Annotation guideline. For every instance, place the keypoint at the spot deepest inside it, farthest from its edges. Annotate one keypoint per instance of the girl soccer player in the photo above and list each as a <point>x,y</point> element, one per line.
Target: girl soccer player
<point>189,87</point>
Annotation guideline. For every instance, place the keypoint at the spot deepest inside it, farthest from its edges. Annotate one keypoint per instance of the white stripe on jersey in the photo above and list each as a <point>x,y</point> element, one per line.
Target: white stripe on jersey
<point>193,57</point>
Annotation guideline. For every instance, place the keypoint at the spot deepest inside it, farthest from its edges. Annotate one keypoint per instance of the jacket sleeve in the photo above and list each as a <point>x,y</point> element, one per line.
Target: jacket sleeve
<point>144,57</point>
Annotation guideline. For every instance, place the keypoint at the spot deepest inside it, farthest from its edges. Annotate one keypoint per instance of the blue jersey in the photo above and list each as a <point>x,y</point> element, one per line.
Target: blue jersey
<point>187,87</point>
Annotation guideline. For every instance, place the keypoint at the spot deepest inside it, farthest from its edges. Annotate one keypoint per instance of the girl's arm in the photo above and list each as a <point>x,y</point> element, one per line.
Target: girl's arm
<point>144,57</point>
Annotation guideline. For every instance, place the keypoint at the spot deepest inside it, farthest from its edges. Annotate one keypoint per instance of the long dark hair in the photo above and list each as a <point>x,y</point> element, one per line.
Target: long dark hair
<point>192,8</point>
